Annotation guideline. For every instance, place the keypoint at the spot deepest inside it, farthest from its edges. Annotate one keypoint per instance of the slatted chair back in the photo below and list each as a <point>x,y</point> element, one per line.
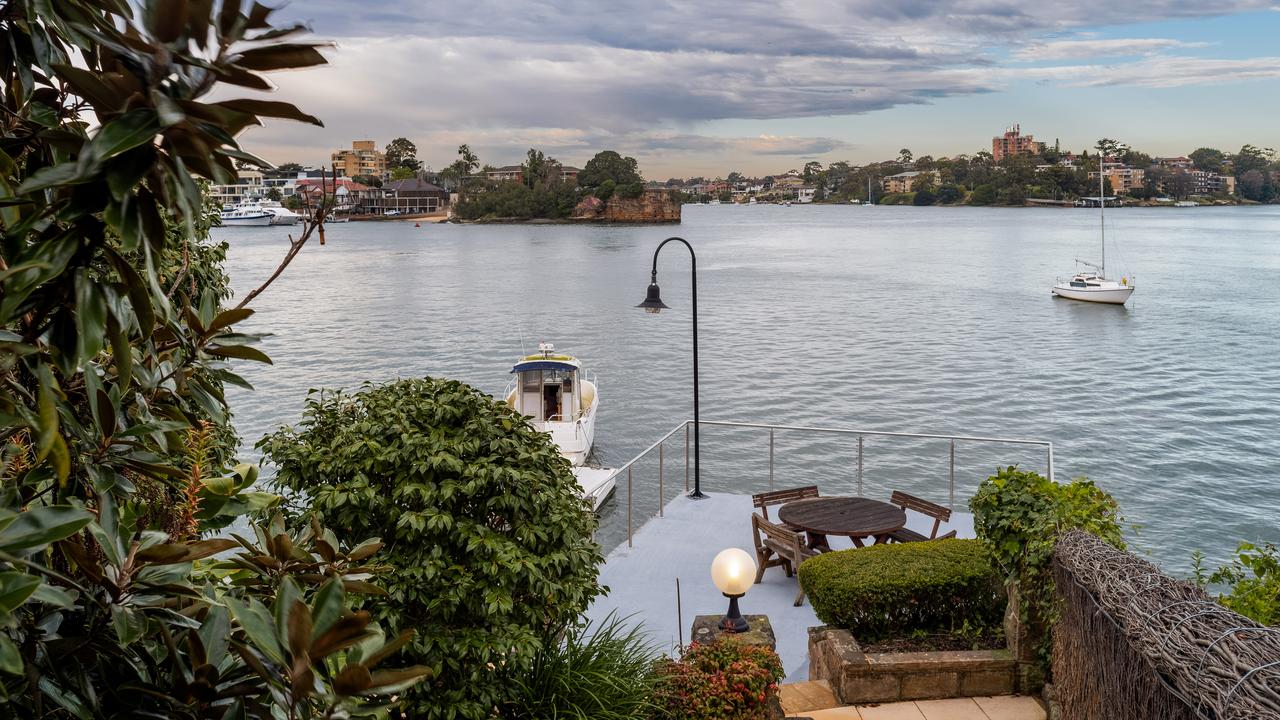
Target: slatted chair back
<point>777,546</point>
<point>939,513</point>
<point>780,497</point>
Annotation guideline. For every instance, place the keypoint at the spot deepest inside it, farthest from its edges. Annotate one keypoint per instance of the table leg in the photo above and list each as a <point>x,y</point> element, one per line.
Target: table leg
<point>818,541</point>
<point>857,541</point>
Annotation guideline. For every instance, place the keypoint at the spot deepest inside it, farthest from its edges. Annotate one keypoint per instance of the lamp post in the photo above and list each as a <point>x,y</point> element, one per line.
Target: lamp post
<point>733,571</point>
<point>653,304</point>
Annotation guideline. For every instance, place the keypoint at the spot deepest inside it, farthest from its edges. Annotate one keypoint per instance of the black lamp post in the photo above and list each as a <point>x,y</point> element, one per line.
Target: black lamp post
<point>653,304</point>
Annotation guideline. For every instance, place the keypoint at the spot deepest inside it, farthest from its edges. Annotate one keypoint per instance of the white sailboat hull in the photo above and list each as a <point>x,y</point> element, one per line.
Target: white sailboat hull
<point>257,221</point>
<point>1109,296</point>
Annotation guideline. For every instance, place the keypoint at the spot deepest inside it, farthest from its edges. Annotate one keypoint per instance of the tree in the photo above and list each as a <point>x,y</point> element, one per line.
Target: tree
<point>734,177</point>
<point>1250,158</point>
<point>370,180</point>
<point>1208,159</point>
<point>274,194</point>
<point>904,156</point>
<point>924,196</point>
<point>289,167</point>
<point>117,334</point>
<point>401,152</point>
<point>467,161</point>
<point>488,537</point>
<point>609,165</point>
<point>402,173</point>
<point>983,195</point>
<point>949,193</point>
<point>811,170</point>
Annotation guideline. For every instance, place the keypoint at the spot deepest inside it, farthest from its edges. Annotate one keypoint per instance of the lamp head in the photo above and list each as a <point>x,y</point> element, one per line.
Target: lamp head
<point>653,298</point>
<point>733,571</point>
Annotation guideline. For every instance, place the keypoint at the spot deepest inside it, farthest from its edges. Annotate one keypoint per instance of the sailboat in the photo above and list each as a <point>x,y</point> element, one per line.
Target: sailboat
<point>1092,285</point>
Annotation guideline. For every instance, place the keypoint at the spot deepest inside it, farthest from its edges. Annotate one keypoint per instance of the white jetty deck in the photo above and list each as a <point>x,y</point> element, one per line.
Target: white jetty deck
<point>642,579</point>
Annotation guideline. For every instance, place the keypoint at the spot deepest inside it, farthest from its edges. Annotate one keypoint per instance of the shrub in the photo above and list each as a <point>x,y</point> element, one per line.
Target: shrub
<point>606,189</point>
<point>903,198</point>
<point>1020,515</point>
<point>1253,581</point>
<point>631,190</point>
<point>719,681</point>
<point>894,591</point>
<point>984,195</point>
<point>489,541</point>
<point>589,673</point>
<point>924,196</point>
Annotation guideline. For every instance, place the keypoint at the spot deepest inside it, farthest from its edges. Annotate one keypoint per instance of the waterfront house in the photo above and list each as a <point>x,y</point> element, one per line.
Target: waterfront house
<point>347,194</point>
<point>249,184</point>
<point>903,181</point>
<point>407,197</point>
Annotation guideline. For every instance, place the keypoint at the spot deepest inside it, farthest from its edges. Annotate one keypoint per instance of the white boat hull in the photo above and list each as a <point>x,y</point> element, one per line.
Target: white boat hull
<point>262,221</point>
<point>1109,296</point>
<point>596,484</point>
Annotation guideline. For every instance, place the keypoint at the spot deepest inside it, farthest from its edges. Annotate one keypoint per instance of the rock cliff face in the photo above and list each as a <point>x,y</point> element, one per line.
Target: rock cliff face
<point>654,206</point>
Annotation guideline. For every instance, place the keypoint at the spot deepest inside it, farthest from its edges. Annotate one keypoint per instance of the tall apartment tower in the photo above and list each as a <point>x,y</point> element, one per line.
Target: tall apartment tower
<point>364,158</point>
<point>1014,143</point>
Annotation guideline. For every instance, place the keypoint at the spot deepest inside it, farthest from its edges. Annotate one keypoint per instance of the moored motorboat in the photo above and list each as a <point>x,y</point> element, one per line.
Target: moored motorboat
<point>245,215</point>
<point>550,389</point>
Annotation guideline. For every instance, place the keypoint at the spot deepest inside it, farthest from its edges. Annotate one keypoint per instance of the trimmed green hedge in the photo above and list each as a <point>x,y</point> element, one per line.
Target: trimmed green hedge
<point>891,591</point>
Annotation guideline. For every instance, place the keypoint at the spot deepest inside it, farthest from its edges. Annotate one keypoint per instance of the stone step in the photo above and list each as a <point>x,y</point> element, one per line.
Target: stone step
<point>802,697</point>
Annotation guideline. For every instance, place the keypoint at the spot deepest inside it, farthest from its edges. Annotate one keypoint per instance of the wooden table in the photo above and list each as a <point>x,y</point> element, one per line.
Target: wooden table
<point>852,517</point>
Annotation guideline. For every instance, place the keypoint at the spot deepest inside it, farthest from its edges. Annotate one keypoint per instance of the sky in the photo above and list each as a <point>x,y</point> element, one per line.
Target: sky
<point>705,87</point>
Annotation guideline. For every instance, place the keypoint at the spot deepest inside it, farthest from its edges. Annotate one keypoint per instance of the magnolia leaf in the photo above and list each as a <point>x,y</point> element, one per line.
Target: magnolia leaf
<point>243,352</point>
<point>10,658</point>
<point>15,588</point>
<point>227,318</point>
<point>38,527</point>
<point>387,681</point>
<point>354,679</point>
<point>270,108</point>
<point>169,553</point>
<point>280,57</point>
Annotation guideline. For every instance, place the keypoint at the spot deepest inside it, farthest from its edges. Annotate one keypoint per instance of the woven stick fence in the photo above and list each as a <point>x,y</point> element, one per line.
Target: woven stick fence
<point>1137,644</point>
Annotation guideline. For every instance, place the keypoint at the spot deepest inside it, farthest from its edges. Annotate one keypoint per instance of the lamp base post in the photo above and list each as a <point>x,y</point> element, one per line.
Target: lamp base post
<point>733,621</point>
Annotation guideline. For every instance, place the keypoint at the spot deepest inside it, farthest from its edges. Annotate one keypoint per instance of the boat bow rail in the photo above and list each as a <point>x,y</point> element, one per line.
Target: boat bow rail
<point>627,471</point>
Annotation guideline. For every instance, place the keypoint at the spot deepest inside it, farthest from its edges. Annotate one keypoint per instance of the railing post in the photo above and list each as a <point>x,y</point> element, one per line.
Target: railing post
<point>859,466</point>
<point>662,495</point>
<point>686,456</point>
<point>770,459</point>
<point>952,476</point>
<point>1050,462</point>
<point>629,506</point>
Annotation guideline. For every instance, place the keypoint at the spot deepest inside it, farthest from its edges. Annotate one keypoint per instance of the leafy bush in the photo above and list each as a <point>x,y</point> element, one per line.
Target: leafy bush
<point>896,590</point>
<point>516,200</point>
<point>984,195</point>
<point>588,673</point>
<point>631,191</point>
<point>924,196</point>
<point>489,541</point>
<point>1253,581</point>
<point>606,189</point>
<point>719,681</point>
<point>902,198</point>
<point>1019,515</point>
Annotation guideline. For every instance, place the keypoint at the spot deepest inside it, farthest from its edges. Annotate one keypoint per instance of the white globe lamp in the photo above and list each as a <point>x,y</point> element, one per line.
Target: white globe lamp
<point>733,572</point>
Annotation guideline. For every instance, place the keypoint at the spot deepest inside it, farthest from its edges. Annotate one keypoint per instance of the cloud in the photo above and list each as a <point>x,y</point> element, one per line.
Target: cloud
<point>1090,48</point>
<point>1158,72</point>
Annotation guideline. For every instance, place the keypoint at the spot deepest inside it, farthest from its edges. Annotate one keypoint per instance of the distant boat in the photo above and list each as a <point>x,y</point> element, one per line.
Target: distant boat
<point>1186,203</point>
<point>1094,286</point>
<point>246,215</point>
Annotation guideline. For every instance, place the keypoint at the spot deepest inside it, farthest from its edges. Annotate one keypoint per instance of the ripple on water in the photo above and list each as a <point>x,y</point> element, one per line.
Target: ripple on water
<point>930,319</point>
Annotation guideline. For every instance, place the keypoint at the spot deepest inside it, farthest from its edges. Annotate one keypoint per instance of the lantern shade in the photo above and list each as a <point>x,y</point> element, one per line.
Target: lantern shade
<point>653,300</point>
<point>733,571</point>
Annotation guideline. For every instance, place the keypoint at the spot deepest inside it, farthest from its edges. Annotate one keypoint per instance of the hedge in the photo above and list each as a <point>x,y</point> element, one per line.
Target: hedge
<point>893,591</point>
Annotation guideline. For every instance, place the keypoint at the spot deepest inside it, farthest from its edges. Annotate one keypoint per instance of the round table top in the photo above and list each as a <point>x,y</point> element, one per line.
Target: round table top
<point>849,516</point>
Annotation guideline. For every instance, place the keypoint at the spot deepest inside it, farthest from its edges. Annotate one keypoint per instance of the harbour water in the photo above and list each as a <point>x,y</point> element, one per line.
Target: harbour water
<point>933,320</point>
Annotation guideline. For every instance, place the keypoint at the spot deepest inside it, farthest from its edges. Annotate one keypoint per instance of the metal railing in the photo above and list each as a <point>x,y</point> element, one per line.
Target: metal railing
<point>659,446</point>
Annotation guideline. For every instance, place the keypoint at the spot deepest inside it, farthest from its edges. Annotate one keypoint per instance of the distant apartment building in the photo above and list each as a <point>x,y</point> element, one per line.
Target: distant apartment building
<point>249,184</point>
<point>364,158</point>
<point>1211,183</point>
<point>1175,163</point>
<point>509,173</point>
<point>287,182</point>
<point>903,181</point>
<point>1014,143</point>
<point>1123,178</point>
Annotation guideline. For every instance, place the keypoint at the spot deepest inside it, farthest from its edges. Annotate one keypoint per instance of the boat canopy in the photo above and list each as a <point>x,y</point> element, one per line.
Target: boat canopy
<point>541,364</point>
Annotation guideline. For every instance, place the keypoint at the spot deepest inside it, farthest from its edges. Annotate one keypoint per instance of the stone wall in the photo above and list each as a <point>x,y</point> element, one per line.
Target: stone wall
<point>654,206</point>
<point>857,677</point>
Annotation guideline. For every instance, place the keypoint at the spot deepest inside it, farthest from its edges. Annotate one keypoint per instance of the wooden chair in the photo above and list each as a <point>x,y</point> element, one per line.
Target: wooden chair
<point>777,546</point>
<point>939,514</point>
<point>780,497</point>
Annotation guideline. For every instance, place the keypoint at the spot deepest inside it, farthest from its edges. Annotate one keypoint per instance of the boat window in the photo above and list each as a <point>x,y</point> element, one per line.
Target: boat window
<point>530,381</point>
<point>1077,283</point>
<point>1094,284</point>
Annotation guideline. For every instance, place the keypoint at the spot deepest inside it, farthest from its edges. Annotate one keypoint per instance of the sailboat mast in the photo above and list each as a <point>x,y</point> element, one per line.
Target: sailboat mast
<point>1102,212</point>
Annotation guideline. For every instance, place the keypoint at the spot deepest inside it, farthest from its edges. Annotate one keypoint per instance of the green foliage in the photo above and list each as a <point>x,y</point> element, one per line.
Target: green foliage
<point>605,190</point>
<point>950,194</point>
<point>588,673</point>
<point>114,352</point>
<point>1252,579</point>
<point>490,542</point>
<point>402,153</point>
<point>903,198</point>
<point>401,172</point>
<point>630,191</point>
<point>720,681</point>
<point>1020,515</point>
<point>609,165</point>
<point>517,201</point>
<point>894,590</point>
<point>264,633</point>
<point>924,196</point>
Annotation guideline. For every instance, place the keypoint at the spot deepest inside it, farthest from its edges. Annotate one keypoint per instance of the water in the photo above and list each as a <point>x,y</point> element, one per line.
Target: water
<point>887,318</point>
